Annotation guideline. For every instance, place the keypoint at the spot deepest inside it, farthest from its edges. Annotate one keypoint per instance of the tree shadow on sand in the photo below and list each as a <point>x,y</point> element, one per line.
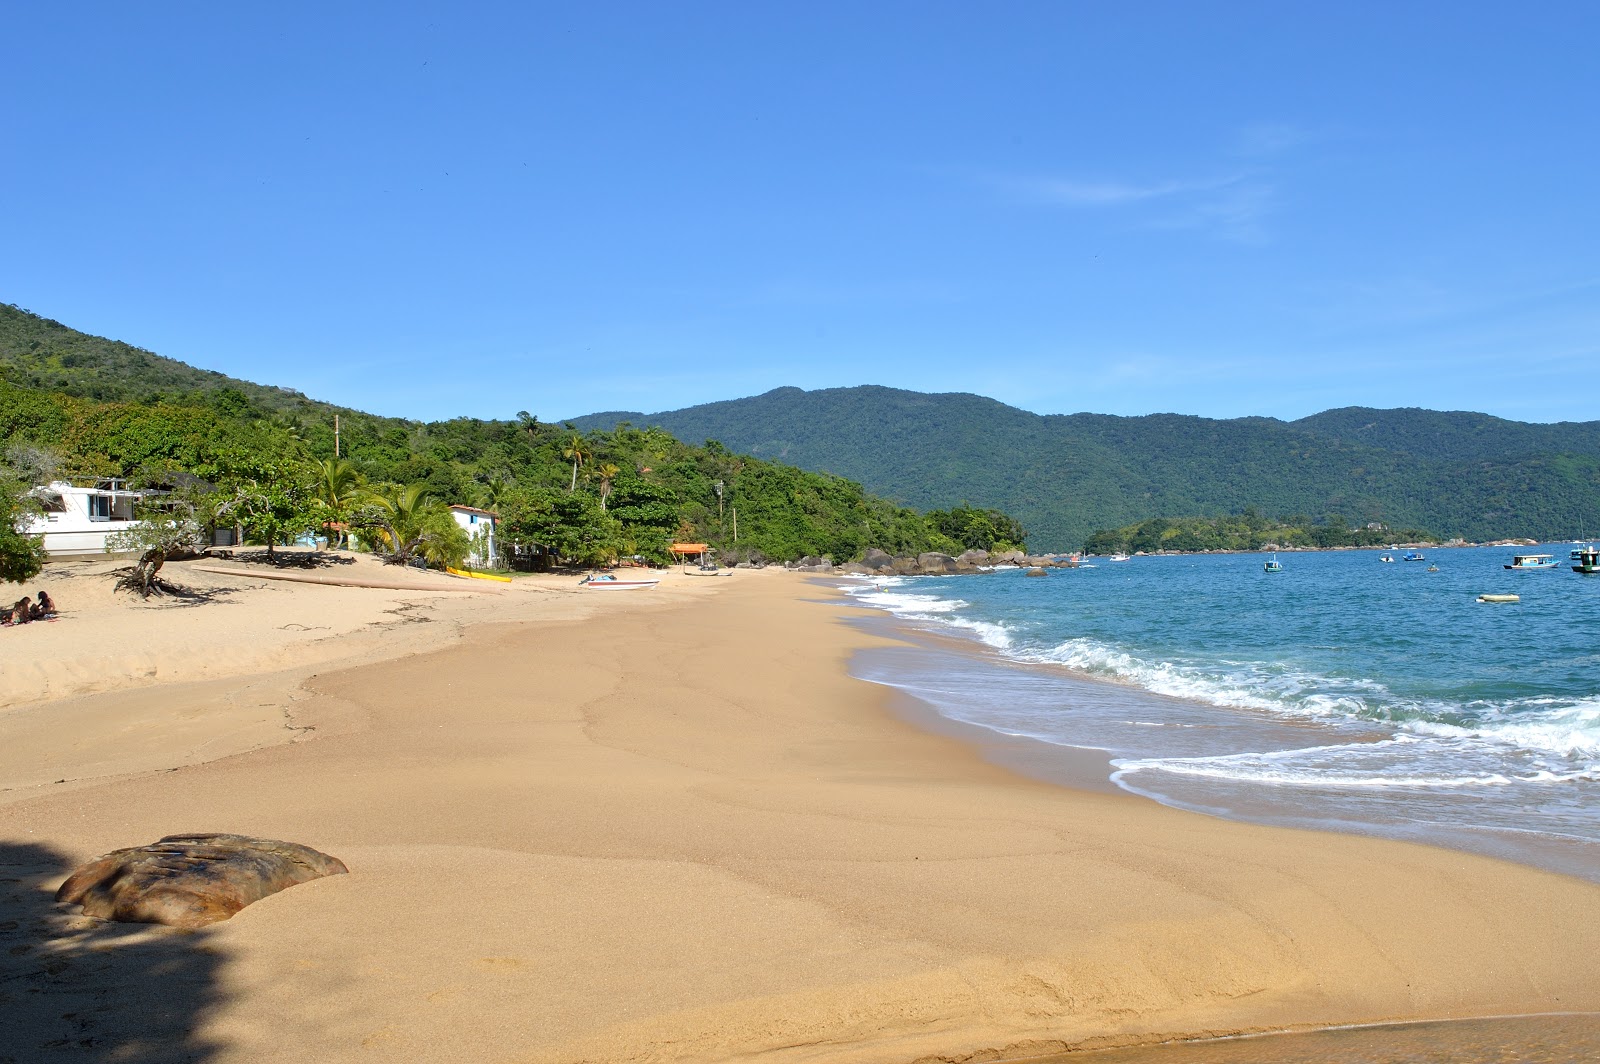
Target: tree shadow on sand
<point>285,559</point>
<point>73,988</point>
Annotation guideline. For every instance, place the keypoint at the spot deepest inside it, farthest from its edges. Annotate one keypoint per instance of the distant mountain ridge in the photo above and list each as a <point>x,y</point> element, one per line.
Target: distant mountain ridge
<point>1066,475</point>
<point>1063,475</point>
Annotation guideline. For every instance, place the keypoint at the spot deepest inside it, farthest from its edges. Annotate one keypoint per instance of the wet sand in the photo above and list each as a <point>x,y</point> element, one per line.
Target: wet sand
<point>669,826</point>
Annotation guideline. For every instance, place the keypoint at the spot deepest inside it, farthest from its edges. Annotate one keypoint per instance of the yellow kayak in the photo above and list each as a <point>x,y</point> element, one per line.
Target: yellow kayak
<point>477,576</point>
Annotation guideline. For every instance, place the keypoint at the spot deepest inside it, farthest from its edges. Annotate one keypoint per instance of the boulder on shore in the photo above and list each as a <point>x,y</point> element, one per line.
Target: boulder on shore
<point>878,560</point>
<point>192,880</point>
<point>934,562</point>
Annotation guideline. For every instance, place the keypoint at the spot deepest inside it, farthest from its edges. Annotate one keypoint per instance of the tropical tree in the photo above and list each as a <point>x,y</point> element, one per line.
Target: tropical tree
<point>573,527</point>
<point>276,509</point>
<point>21,555</point>
<point>408,522</point>
<point>608,473</point>
<point>24,468</point>
<point>339,487</point>
<point>171,527</point>
<point>576,450</point>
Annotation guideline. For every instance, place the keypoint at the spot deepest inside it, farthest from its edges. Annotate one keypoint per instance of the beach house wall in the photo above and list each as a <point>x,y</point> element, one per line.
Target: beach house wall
<point>479,526</point>
<point>77,520</point>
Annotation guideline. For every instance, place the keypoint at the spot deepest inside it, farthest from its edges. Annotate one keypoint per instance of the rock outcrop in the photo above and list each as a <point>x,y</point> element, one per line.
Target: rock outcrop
<point>877,562</point>
<point>192,880</point>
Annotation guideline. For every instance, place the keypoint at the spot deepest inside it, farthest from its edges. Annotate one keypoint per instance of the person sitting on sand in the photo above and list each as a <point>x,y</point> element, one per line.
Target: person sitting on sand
<point>44,607</point>
<point>22,612</point>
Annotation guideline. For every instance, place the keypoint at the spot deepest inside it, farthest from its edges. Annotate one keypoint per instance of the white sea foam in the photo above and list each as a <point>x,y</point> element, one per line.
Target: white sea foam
<point>1543,725</point>
<point>891,594</point>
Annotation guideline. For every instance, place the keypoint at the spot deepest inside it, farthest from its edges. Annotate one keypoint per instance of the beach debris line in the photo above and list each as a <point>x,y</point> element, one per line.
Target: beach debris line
<point>192,880</point>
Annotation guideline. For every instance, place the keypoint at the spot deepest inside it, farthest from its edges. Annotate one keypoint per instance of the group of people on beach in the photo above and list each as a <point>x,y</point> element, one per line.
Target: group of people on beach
<point>25,609</point>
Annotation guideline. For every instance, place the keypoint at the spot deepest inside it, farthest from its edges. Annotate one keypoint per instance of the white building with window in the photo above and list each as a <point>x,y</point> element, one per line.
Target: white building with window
<point>76,520</point>
<point>479,527</point>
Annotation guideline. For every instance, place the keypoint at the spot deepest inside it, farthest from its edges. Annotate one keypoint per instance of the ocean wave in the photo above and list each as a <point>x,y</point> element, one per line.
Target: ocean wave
<point>889,594</point>
<point>1406,761</point>
<point>1563,728</point>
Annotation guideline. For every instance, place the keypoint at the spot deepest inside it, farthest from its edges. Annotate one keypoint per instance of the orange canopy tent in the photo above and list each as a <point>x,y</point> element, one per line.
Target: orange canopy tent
<point>685,551</point>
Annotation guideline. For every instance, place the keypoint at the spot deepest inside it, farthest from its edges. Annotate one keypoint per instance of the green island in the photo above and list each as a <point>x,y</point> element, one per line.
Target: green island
<point>1248,531</point>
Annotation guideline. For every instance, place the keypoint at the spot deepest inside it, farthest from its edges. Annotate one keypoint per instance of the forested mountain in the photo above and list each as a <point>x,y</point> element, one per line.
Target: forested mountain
<point>45,355</point>
<point>100,408</point>
<point>1064,476</point>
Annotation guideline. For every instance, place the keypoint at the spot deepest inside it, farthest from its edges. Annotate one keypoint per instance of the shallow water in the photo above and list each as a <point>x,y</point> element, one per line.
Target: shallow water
<point>1342,693</point>
<point>1516,1040</point>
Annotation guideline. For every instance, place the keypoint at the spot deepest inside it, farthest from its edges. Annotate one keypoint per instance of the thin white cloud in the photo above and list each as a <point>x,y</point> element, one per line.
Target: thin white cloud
<point>1238,213</point>
<point>1071,193</point>
<point>1262,139</point>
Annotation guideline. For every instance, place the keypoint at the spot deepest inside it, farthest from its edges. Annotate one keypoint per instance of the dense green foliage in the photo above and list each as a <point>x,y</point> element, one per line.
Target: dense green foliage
<point>1246,531</point>
<point>1063,476</point>
<point>113,410</point>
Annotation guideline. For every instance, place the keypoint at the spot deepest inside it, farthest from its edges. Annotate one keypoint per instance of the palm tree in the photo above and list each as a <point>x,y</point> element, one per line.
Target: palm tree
<point>410,520</point>
<point>608,472</point>
<point>339,486</point>
<point>576,449</point>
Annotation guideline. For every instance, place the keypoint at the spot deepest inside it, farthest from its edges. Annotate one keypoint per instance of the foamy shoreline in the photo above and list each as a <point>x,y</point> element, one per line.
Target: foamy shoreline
<point>669,826</point>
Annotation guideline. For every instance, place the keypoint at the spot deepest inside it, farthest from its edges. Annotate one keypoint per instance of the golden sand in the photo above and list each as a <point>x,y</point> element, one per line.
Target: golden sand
<point>667,825</point>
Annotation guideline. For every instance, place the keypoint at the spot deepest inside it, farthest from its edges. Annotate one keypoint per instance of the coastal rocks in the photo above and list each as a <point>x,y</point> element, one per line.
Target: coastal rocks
<point>878,561</point>
<point>1037,571</point>
<point>812,564</point>
<point>192,880</point>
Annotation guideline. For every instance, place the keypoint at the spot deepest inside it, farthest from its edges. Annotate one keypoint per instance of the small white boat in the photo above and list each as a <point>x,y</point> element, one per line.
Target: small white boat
<point>1118,558</point>
<point>609,582</point>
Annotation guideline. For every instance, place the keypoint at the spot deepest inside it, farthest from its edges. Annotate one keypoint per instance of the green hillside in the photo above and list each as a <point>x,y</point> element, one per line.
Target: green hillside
<point>106,409</point>
<point>1065,476</point>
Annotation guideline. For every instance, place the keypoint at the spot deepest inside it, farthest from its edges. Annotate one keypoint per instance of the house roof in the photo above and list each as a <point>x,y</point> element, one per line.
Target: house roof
<point>473,510</point>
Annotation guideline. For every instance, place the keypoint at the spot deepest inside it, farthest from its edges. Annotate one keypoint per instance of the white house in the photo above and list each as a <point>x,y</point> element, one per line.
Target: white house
<point>479,527</point>
<point>78,520</point>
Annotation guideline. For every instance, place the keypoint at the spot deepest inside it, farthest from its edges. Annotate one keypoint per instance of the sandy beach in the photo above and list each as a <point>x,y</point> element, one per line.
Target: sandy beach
<point>664,826</point>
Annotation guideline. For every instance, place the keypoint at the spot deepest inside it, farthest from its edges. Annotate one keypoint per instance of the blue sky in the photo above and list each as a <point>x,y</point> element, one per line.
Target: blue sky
<point>473,209</point>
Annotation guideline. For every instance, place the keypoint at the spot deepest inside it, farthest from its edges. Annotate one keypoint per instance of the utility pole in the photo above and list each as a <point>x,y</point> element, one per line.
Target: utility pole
<point>336,435</point>
<point>736,524</point>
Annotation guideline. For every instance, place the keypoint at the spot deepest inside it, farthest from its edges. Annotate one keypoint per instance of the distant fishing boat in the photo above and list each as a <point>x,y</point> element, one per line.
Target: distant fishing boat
<point>1118,557</point>
<point>1272,565</point>
<point>1414,556</point>
<point>1528,563</point>
<point>1387,558</point>
<point>1588,561</point>
<point>609,582</point>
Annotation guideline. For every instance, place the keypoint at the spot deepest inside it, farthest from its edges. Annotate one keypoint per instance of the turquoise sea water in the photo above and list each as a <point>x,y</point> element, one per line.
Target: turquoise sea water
<point>1343,692</point>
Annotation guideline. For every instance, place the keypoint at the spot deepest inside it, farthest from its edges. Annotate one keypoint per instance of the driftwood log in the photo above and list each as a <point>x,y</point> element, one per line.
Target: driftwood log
<point>192,880</point>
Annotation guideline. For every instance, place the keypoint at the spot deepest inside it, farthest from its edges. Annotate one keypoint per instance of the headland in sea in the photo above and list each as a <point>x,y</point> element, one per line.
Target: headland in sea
<point>669,825</point>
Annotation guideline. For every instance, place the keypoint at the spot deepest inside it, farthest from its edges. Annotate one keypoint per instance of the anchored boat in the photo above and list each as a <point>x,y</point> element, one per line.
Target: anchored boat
<point>1529,563</point>
<point>1586,561</point>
